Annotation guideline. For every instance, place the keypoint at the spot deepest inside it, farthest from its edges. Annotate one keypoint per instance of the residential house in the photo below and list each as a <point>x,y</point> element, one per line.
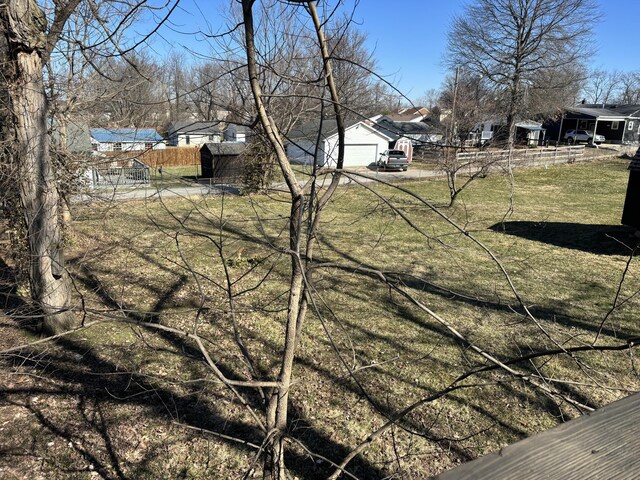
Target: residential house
<point>125,139</point>
<point>418,132</point>
<point>71,136</point>
<point>528,132</point>
<point>363,143</point>
<point>413,114</point>
<point>191,133</point>
<point>237,133</point>
<point>405,135</point>
<point>618,123</point>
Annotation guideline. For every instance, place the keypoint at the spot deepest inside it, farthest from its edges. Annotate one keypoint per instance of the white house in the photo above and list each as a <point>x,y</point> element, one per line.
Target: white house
<point>191,133</point>
<point>125,139</point>
<point>528,132</point>
<point>237,133</point>
<point>363,144</point>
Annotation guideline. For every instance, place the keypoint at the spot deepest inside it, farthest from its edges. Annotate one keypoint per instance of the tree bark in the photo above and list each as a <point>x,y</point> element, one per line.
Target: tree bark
<point>278,401</point>
<point>24,28</point>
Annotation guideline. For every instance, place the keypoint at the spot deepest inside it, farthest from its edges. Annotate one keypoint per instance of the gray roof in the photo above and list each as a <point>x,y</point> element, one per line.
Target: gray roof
<point>225,148</point>
<point>239,128</point>
<point>309,130</point>
<point>606,110</point>
<point>398,129</point>
<point>76,136</point>
<point>197,128</point>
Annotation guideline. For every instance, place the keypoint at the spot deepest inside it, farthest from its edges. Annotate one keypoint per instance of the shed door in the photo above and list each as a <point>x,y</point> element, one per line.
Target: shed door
<point>359,155</point>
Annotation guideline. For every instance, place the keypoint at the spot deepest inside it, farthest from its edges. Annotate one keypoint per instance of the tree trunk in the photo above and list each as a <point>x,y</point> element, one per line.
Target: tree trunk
<point>512,112</point>
<point>24,26</point>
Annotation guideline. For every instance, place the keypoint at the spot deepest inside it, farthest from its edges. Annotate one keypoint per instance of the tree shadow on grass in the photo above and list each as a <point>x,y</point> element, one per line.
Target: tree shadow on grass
<point>76,372</point>
<point>591,238</point>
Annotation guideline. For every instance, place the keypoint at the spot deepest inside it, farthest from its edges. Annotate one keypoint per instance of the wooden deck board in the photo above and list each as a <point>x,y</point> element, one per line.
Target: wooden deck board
<point>601,445</point>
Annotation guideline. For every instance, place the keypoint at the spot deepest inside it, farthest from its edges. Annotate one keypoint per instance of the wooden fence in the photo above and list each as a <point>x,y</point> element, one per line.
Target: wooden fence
<point>167,157</point>
<point>522,157</point>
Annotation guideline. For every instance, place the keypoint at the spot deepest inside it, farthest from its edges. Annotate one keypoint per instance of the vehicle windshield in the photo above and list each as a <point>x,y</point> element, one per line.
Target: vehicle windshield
<point>396,152</point>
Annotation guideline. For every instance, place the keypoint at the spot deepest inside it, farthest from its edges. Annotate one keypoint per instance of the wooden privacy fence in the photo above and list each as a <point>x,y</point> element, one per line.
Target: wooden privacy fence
<point>166,157</point>
<point>521,157</point>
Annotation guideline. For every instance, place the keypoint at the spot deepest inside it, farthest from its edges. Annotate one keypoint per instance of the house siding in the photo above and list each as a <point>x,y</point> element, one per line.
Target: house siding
<point>605,128</point>
<point>196,140</point>
<point>356,135</point>
<point>632,131</point>
<point>126,146</point>
<point>302,152</point>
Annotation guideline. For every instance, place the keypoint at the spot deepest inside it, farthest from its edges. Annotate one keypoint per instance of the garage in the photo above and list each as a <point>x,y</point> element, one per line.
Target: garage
<point>362,144</point>
<point>358,155</point>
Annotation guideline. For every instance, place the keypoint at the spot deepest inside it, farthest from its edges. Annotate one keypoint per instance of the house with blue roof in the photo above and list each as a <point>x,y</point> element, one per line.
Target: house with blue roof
<point>125,139</point>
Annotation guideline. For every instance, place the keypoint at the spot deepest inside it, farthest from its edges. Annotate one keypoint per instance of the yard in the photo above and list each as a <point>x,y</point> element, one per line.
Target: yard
<point>119,400</point>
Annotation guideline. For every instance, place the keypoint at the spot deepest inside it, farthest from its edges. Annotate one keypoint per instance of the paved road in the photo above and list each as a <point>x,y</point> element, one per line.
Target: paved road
<point>192,189</point>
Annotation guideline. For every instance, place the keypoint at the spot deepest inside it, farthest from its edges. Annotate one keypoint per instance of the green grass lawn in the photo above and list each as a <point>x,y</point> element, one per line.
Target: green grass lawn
<point>561,245</point>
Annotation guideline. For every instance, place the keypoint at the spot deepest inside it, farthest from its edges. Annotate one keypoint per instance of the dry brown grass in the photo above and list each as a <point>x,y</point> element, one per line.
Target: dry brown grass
<point>110,396</point>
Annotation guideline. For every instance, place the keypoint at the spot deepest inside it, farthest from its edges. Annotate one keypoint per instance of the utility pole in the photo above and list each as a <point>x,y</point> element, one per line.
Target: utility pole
<point>453,128</point>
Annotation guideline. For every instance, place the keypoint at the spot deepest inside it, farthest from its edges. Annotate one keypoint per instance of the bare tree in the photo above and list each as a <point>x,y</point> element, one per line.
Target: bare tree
<point>600,86</point>
<point>353,69</point>
<point>629,89</point>
<point>266,391</point>
<point>30,35</point>
<point>474,101</point>
<point>28,46</point>
<point>208,89</point>
<point>127,92</point>
<point>512,42</point>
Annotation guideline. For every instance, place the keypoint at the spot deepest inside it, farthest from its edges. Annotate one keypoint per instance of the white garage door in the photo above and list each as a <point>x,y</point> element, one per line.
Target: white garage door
<point>360,155</point>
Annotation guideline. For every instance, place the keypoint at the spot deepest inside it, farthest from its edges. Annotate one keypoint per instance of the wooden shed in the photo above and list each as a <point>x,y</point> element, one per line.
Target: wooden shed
<point>223,162</point>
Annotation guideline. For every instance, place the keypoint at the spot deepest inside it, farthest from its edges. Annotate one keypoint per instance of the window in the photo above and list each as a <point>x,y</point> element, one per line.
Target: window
<point>187,140</point>
<point>614,125</point>
<point>117,147</point>
<point>148,146</point>
<point>212,138</point>
<point>630,125</point>
<point>94,147</point>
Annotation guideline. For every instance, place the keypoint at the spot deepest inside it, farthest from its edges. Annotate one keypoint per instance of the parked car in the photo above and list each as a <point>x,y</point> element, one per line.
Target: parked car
<point>576,136</point>
<point>393,160</point>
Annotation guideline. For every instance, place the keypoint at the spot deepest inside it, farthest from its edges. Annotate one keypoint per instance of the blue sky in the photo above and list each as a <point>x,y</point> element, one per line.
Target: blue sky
<point>409,37</point>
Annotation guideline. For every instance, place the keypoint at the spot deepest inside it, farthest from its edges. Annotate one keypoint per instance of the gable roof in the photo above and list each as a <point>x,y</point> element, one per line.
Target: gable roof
<point>309,130</point>
<point>124,135</point>
<point>197,128</point>
<point>395,129</point>
<point>421,111</point>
